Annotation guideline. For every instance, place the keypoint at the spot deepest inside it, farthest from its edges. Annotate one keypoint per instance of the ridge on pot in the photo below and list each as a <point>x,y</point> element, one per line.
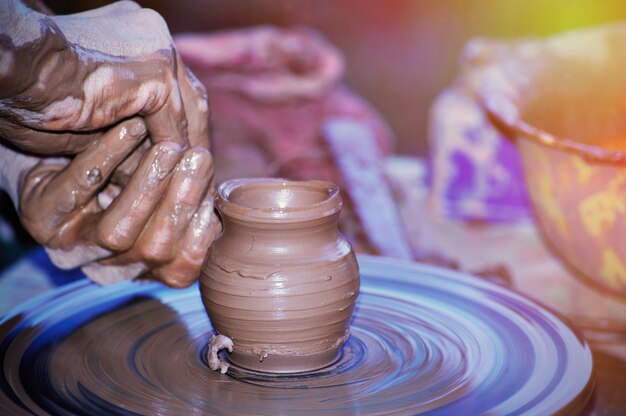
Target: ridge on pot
<point>563,101</point>
<point>280,282</point>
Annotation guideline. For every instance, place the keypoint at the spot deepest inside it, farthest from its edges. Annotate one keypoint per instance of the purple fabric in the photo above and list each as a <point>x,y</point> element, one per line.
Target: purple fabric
<point>463,181</point>
<point>476,171</point>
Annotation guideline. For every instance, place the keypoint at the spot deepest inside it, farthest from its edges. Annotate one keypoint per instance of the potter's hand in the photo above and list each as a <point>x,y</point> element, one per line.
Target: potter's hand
<point>65,78</point>
<point>161,223</point>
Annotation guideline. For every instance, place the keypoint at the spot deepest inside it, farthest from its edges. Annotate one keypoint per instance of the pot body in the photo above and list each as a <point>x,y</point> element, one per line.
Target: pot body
<point>280,281</point>
<point>580,206</point>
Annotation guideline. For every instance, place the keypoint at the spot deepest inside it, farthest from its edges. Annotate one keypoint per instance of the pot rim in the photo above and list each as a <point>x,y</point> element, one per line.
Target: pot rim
<point>330,204</point>
<point>505,112</point>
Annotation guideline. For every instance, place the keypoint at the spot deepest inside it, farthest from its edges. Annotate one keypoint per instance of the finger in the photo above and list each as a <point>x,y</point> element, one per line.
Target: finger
<point>196,105</point>
<point>47,143</point>
<point>53,222</point>
<point>125,170</point>
<point>168,122</point>
<point>159,241</point>
<point>88,172</point>
<point>203,229</point>
<point>185,268</point>
<point>56,186</point>
<point>122,223</point>
<point>38,214</point>
<point>180,273</point>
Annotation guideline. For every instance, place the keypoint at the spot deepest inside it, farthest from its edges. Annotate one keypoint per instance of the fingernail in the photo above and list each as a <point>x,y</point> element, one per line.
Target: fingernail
<point>138,128</point>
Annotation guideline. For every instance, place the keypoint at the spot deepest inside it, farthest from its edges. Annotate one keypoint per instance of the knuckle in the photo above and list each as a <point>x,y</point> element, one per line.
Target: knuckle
<point>89,180</point>
<point>127,5</point>
<point>35,181</point>
<point>178,283</point>
<point>111,240</point>
<point>35,214</point>
<point>196,254</point>
<point>154,19</point>
<point>154,253</point>
<point>40,232</point>
<point>186,205</point>
<point>181,272</point>
<point>44,230</point>
<point>177,279</point>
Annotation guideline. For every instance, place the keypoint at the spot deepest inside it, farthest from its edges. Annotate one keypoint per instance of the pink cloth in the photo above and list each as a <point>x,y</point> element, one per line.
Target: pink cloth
<point>270,90</point>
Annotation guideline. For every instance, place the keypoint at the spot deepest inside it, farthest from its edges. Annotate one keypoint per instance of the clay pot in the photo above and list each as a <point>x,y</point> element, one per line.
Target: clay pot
<point>563,101</point>
<point>280,281</point>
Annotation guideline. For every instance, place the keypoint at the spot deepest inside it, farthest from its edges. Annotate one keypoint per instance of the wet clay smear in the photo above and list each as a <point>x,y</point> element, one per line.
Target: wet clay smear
<point>423,339</point>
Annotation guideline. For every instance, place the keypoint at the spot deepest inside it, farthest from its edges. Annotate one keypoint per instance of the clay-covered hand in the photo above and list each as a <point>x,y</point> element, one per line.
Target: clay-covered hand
<point>64,79</point>
<point>161,223</point>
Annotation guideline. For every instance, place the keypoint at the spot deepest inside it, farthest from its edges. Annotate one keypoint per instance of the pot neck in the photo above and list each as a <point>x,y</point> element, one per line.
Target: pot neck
<point>264,204</point>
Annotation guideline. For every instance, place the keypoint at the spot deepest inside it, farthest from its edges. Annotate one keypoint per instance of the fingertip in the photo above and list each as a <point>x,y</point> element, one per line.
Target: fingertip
<point>202,152</point>
<point>197,160</point>
<point>126,134</point>
<point>162,157</point>
<point>202,149</point>
<point>138,128</point>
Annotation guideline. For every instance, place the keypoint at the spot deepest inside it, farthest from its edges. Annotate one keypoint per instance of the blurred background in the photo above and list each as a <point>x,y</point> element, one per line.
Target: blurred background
<point>400,54</point>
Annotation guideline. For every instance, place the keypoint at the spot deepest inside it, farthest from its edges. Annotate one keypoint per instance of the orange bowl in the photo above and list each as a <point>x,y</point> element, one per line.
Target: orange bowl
<point>563,99</point>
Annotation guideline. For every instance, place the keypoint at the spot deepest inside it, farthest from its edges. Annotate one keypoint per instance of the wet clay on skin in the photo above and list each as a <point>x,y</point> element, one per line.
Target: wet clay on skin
<point>66,83</point>
<point>83,72</point>
<point>43,77</point>
<point>281,282</point>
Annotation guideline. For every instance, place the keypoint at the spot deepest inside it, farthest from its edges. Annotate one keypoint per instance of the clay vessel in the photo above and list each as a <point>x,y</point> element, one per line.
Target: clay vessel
<point>563,101</point>
<point>281,282</point>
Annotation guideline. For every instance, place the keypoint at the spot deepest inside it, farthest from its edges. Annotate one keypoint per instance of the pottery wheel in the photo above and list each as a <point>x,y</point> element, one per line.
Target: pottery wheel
<point>423,339</point>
